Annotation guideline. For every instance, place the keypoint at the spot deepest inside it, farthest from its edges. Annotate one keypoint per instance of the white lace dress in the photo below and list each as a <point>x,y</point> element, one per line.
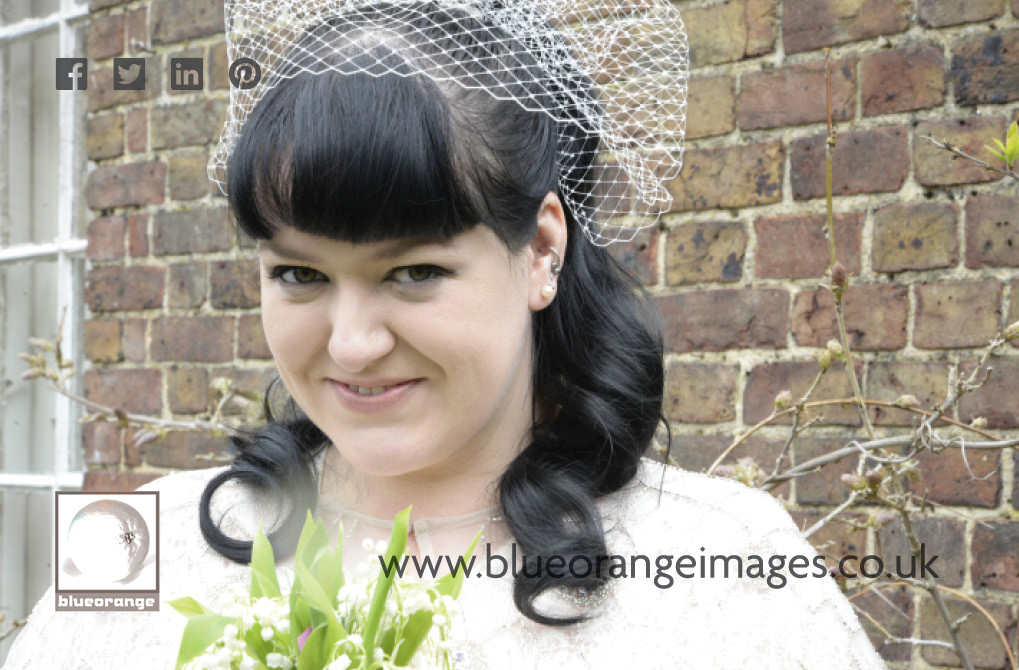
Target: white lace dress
<point>717,623</point>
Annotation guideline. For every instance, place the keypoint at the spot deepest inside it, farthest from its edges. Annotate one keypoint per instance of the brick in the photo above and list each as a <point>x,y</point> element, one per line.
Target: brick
<point>192,232</point>
<point>795,95</point>
<point>729,177</point>
<point>105,138</point>
<point>946,480</point>
<point>1015,480</point>
<point>95,5</point>
<point>769,379</point>
<point>102,341</point>
<point>136,391</point>
<point>717,320</point>
<point>730,31</point>
<point>188,178</point>
<point>1012,316</point>
<point>105,37</point>
<point>992,231</point>
<point>986,69</point>
<point>701,392</point>
<point>893,610</point>
<point>797,246</point>
<point>710,251</point>
<point>100,443</point>
<point>941,13</point>
<point>936,167</point>
<point>696,453</point>
<point>234,284</point>
<point>219,66</point>
<point>187,124</point>
<point>812,24</point>
<point>138,129</point>
<point>711,107</point>
<point>639,256</point>
<point>887,381</point>
<point>134,340</point>
<point>864,161</point>
<point>102,95</point>
<point>901,80</point>
<point>187,450</point>
<point>128,184</point>
<point>138,235</point>
<point>179,20</point>
<point>138,31</point>
<point>193,339</point>
<point>995,561</point>
<point>825,486</point>
<point>836,539</point>
<point>187,390</point>
<point>939,537</point>
<point>992,400</point>
<point>188,285</point>
<point>981,640</point>
<point>251,380</point>
<point>915,236</point>
<point>105,481</point>
<point>119,288</point>
<point>105,239</point>
<point>957,314</point>
<point>251,338</point>
<point>875,317</point>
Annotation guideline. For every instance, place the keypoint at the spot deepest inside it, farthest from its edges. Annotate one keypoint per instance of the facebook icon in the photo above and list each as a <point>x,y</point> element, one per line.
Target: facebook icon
<point>72,74</point>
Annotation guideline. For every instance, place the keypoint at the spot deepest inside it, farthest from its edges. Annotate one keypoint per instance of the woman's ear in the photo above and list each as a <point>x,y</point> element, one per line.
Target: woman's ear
<point>548,251</point>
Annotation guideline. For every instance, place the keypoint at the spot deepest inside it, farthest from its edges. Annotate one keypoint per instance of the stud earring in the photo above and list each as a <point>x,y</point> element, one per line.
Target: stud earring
<point>548,290</point>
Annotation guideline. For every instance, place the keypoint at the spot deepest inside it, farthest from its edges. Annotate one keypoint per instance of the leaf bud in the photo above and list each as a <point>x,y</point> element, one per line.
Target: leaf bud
<point>783,399</point>
<point>825,359</point>
<point>979,422</point>
<point>907,401</point>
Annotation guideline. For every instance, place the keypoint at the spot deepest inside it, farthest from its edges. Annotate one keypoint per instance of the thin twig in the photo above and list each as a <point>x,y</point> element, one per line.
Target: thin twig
<point>948,146</point>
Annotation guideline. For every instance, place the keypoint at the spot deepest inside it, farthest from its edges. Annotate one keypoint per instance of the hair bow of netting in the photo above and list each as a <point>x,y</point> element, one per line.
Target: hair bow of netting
<point>612,74</point>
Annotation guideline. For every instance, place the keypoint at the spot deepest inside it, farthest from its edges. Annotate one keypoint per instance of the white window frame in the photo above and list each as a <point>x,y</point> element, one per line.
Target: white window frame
<point>66,250</point>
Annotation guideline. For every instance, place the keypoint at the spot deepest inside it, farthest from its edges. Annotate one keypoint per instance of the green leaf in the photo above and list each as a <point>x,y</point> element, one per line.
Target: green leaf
<point>997,154</point>
<point>397,544</point>
<point>263,568</point>
<point>189,607</point>
<point>315,652</point>
<point>448,585</point>
<point>201,631</point>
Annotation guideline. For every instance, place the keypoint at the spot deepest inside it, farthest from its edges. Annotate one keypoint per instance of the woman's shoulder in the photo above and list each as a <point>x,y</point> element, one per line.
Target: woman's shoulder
<point>669,498</point>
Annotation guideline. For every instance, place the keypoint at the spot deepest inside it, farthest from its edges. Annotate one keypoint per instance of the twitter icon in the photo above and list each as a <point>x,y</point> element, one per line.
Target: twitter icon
<point>129,74</point>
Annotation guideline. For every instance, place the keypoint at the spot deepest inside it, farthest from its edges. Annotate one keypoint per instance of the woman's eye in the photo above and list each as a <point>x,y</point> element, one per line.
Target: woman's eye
<point>416,274</point>
<point>290,274</point>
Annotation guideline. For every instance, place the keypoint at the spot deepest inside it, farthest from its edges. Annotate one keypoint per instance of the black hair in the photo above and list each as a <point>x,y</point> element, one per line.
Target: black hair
<point>363,158</point>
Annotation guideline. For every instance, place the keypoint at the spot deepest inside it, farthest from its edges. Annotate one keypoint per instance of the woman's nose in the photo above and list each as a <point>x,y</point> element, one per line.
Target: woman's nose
<point>360,335</point>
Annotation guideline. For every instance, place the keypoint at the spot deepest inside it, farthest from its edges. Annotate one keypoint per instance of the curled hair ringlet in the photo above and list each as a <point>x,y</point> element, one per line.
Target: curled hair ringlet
<point>417,158</point>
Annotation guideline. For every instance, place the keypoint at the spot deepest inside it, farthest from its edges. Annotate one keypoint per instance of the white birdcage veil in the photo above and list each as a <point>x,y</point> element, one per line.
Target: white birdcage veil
<point>611,73</point>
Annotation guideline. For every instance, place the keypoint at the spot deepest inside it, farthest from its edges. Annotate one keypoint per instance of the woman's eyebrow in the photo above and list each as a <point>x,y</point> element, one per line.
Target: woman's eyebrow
<point>386,251</point>
<point>285,252</point>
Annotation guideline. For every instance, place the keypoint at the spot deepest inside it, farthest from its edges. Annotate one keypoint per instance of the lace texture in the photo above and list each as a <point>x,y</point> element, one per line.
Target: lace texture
<point>717,623</point>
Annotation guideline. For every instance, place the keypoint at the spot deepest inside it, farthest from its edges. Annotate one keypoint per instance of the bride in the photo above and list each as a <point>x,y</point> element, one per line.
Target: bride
<point>424,199</point>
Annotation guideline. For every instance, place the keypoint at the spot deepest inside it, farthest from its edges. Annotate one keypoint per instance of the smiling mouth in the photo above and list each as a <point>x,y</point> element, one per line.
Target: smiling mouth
<point>370,390</point>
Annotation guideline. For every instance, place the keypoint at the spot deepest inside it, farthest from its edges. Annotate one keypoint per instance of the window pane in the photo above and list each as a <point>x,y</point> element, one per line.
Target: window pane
<point>32,160</point>
<point>12,11</point>
<point>26,564</point>
<point>27,309</point>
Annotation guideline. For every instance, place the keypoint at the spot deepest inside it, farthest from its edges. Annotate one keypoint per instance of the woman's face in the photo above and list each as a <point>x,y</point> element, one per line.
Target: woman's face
<point>413,358</point>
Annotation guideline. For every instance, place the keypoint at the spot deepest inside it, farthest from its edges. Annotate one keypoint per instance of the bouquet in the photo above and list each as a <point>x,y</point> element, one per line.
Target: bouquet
<point>372,620</point>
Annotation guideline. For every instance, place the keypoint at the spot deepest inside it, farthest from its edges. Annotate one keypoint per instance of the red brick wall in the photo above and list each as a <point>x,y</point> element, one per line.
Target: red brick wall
<point>735,267</point>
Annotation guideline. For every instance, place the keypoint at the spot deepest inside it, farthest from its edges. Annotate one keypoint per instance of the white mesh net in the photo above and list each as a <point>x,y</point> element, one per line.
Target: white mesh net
<point>612,73</point>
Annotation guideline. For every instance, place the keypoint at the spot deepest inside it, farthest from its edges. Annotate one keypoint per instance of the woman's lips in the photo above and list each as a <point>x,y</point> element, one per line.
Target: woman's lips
<point>375,401</point>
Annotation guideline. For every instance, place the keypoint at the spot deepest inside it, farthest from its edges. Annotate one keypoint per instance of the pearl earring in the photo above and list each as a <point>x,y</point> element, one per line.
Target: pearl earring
<point>547,291</point>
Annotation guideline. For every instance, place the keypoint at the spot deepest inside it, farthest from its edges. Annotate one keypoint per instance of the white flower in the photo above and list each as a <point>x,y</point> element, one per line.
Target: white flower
<point>368,544</point>
<point>379,655</point>
<point>267,633</point>
<point>230,632</point>
<point>275,660</point>
<point>355,640</point>
<point>248,663</point>
<point>380,547</point>
<point>439,620</point>
<point>341,663</point>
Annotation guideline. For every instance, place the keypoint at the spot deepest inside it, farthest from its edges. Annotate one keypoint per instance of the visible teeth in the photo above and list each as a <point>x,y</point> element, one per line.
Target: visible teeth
<point>369,390</point>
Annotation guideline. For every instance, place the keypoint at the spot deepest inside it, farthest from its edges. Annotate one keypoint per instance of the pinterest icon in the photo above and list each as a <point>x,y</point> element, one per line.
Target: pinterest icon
<point>245,73</point>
